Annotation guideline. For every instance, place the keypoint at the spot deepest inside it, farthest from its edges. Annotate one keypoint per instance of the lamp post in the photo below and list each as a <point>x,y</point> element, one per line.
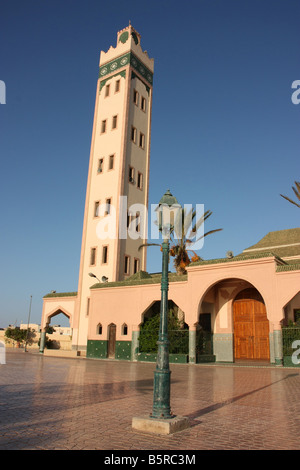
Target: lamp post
<point>168,209</point>
<point>161,420</point>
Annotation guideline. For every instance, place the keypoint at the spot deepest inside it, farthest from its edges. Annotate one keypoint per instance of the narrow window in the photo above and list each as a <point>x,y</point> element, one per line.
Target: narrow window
<point>111,162</point>
<point>136,265</point>
<point>114,122</point>
<point>142,140</point>
<point>107,90</point>
<point>143,104</point>
<point>140,180</point>
<point>129,217</point>
<point>96,209</point>
<point>133,134</point>
<point>104,254</point>
<point>126,264</point>
<point>137,222</point>
<point>117,86</point>
<point>124,329</point>
<point>135,97</point>
<point>103,126</point>
<point>93,257</point>
<point>131,175</point>
<point>99,329</point>
<point>100,165</point>
<point>107,206</point>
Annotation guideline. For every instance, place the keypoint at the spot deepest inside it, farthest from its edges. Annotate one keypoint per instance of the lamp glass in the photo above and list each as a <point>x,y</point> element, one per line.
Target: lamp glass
<point>167,216</point>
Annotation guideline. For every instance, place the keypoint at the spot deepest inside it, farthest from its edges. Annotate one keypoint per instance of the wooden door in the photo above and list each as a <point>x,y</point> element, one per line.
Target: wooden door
<point>243,329</point>
<point>111,340</point>
<point>251,327</point>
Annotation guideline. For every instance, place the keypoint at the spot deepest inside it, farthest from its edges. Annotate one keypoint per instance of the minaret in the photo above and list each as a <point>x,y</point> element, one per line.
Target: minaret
<point>118,175</point>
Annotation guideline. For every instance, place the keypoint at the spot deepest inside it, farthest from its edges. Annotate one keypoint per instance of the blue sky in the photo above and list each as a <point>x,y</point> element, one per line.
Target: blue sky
<point>225,132</point>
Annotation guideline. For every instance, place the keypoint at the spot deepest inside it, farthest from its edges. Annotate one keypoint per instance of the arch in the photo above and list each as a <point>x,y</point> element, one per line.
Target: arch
<point>218,302</point>
<point>124,329</point>
<point>99,329</point>
<point>171,298</point>
<point>154,309</point>
<point>229,278</point>
<point>57,311</point>
<point>292,310</point>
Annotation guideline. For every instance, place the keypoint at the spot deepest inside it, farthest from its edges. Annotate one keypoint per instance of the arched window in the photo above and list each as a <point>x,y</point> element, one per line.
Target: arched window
<point>124,329</point>
<point>99,329</point>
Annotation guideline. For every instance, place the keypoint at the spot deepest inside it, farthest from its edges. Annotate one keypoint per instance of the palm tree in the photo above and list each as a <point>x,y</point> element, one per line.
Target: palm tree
<point>296,191</point>
<point>185,234</point>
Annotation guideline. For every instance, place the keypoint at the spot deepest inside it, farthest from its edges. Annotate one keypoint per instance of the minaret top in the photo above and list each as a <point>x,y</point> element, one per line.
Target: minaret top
<point>128,41</point>
<point>129,32</point>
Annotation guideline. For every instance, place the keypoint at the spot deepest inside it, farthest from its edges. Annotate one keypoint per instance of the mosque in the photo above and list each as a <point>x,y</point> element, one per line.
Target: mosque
<point>230,309</point>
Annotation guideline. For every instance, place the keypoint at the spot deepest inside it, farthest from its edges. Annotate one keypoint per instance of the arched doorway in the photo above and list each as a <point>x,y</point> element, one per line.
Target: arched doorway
<point>251,326</point>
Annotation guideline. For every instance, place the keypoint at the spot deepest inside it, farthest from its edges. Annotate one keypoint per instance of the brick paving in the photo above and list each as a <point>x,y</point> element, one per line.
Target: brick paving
<point>82,404</point>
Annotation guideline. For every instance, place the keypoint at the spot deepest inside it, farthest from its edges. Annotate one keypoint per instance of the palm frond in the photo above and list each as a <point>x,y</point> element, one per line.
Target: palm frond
<point>290,200</point>
<point>297,193</point>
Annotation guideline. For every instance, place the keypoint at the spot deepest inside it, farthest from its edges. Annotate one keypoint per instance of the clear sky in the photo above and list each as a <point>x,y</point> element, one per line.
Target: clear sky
<point>225,132</point>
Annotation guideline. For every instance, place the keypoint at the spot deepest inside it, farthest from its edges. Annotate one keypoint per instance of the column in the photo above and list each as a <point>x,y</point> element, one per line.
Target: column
<point>42,340</point>
<point>192,344</point>
<point>135,344</point>
<point>277,337</point>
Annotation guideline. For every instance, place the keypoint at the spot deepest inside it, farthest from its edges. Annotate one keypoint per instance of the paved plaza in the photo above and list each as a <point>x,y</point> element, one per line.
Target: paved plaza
<point>84,404</point>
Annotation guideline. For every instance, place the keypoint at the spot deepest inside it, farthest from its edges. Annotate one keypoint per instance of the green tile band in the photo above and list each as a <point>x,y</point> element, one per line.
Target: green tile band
<point>123,61</point>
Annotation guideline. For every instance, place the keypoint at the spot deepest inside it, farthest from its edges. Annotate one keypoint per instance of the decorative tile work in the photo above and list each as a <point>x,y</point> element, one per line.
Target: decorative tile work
<point>124,60</point>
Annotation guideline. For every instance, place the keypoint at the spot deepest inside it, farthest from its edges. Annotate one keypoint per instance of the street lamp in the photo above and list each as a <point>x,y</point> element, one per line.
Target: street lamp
<point>161,420</point>
<point>104,278</point>
<point>167,211</point>
<point>93,275</point>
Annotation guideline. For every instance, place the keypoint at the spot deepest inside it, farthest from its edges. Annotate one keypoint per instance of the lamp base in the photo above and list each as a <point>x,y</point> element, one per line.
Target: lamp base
<point>160,426</point>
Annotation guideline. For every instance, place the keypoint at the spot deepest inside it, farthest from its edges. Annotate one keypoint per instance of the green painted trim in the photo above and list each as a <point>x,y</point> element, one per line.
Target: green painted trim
<point>135,38</point>
<point>178,358</point>
<point>287,362</point>
<point>123,61</point>
<point>289,267</point>
<point>61,294</point>
<point>205,358</point>
<point>146,357</point>
<point>123,350</point>
<point>134,75</point>
<point>122,73</point>
<point>124,37</point>
<point>278,362</point>
<point>242,257</point>
<point>137,281</point>
<point>173,358</point>
<point>97,349</point>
